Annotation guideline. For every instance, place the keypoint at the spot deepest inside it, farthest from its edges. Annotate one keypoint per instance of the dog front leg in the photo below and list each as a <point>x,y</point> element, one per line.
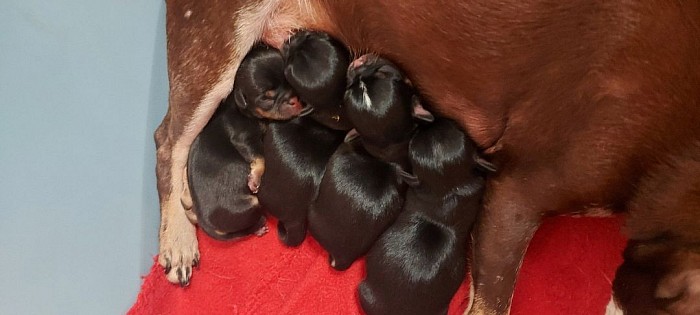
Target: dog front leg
<point>206,43</point>
<point>501,235</point>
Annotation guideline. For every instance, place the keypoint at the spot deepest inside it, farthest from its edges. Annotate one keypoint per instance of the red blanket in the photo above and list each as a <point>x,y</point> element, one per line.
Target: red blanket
<point>568,270</point>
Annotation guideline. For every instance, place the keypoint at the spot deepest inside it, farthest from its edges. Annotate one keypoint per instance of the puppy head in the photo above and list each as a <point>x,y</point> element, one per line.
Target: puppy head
<point>260,89</point>
<point>315,68</point>
<point>443,157</point>
<point>380,101</point>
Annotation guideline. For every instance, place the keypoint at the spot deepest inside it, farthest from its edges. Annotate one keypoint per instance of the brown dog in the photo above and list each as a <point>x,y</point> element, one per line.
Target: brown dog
<point>581,104</point>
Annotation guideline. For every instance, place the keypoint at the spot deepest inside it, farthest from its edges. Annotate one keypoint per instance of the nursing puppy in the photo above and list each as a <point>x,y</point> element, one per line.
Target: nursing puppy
<point>417,265</point>
<point>539,85</point>
<point>316,66</point>
<point>226,159</point>
<point>296,152</point>
<point>362,189</point>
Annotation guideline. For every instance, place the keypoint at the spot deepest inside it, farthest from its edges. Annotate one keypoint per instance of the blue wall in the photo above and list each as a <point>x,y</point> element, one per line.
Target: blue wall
<point>83,85</point>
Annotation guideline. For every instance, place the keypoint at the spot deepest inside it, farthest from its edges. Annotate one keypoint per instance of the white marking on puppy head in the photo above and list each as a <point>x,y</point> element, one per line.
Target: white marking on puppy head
<point>188,13</point>
<point>365,95</point>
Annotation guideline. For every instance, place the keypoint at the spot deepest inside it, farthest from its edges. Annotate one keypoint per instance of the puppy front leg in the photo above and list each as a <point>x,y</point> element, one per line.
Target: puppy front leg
<point>251,151</point>
<point>500,239</point>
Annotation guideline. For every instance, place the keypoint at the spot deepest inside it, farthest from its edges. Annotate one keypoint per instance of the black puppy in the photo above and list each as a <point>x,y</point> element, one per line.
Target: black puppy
<point>226,159</point>
<point>363,185</point>
<point>316,70</point>
<point>296,152</point>
<point>417,265</point>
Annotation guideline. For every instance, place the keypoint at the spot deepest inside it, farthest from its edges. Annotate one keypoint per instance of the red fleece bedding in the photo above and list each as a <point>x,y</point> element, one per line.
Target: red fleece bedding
<point>568,270</point>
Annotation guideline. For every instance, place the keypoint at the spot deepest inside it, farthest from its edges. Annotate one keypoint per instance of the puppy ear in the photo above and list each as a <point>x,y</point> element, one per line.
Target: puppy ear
<point>419,112</point>
<point>483,164</point>
<point>240,99</point>
<point>352,135</point>
<point>407,177</point>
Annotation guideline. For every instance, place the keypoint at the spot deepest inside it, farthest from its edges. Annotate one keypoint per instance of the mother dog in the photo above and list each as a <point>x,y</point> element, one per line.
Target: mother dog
<point>582,104</point>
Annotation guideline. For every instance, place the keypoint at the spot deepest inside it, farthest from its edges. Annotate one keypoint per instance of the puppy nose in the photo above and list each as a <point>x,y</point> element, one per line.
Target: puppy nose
<point>359,61</point>
<point>294,102</point>
<point>364,60</point>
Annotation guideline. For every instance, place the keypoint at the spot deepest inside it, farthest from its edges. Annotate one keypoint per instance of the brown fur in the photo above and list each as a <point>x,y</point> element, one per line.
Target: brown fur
<point>580,103</point>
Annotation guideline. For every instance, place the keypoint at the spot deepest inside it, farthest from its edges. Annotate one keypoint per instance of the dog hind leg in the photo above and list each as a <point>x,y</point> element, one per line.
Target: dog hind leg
<point>501,236</point>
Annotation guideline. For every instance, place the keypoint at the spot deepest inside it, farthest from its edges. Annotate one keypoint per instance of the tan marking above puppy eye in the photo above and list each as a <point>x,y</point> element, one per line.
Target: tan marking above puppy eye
<point>270,93</point>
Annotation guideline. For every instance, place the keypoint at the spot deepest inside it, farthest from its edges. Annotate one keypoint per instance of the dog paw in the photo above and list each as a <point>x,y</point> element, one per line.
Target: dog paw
<point>179,251</point>
<point>262,231</point>
<point>257,168</point>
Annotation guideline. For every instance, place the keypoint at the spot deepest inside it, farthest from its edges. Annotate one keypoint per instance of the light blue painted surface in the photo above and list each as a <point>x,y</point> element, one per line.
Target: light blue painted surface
<point>82,87</point>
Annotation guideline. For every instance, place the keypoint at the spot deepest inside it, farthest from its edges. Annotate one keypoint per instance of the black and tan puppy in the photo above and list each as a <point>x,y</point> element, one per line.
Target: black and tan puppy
<point>226,159</point>
<point>417,265</point>
<point>296,152</point>
<point>362,189</point>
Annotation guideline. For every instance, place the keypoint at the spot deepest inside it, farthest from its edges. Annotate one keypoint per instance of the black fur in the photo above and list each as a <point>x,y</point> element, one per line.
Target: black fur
<point>260,87</point>
<point>316,68</point>
<point>297,152</point>
<point>362,188</point>
<point>358,198</point>
<point>221,155</point>
<point>417,265</point>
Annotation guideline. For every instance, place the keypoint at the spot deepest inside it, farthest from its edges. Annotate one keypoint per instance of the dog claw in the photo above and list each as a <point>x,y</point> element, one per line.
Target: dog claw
<point>167,267</point>
<point>178,248</point>
<point>183,276</point>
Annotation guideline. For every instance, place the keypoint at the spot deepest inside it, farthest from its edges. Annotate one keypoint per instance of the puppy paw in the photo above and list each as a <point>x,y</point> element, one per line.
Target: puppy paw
<point>257,168</point>
<point>682,290</point>
<point>178,248</point>
<point>262,231</point>
<point>253,183</point>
